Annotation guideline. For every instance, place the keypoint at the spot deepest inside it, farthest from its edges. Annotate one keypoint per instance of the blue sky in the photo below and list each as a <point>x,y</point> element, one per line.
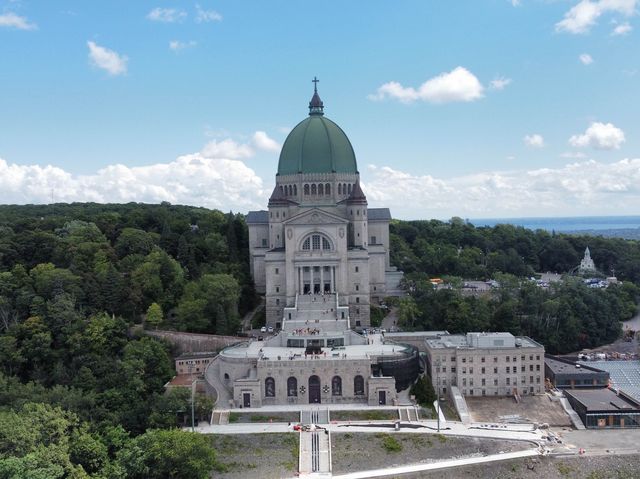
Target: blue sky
<point>478,108</point>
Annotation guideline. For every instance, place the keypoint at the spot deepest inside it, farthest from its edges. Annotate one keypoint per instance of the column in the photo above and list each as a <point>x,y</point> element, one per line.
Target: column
<point>321,279</point>
<point>333,279</point>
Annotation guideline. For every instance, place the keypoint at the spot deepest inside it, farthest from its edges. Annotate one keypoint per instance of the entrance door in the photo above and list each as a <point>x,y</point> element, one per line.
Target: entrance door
<point>246,399</point>
<point>306,288</point>
<point>314,390</point>
<point>382,398</point>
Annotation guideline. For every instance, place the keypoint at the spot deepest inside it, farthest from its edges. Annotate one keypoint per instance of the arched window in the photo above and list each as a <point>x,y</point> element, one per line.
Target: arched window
<point>358,386</point>
<point>306,189</point>
<point>327,189</point>
<point>281,189</point>
<point>339,188</point>
<point>295,190</point>
<point>292,387</point>
<point>270,388</point>
<point>336,386</point>
<point>290,190</point>
<point>317,242</point>
<point>226,376</point>
<point>349,188</point>
<point>313,189</point>
<point>321,189</point>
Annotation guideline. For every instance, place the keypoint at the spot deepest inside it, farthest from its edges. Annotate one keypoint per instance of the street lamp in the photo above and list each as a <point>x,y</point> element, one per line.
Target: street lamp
<point>438,391</point>
<point>190,365</point>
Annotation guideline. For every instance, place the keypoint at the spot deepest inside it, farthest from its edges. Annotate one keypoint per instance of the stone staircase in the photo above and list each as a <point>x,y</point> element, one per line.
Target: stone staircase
<point>408,414</point>
<point>220,417</point>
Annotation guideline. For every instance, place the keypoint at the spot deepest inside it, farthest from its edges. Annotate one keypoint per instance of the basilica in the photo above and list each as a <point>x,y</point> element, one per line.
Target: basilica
<point>321,258</point>
<point>318,235</point>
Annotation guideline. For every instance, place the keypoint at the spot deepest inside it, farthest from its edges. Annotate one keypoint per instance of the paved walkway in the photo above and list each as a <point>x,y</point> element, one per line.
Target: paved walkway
<point>395,471</point>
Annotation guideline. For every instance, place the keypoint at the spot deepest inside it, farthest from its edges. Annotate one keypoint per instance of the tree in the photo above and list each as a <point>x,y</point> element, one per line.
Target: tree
<point>171,454</point>
<point>154,316</point>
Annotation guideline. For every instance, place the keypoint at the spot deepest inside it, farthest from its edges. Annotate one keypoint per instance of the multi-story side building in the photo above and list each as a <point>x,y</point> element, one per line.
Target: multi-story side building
<point>486,364</point>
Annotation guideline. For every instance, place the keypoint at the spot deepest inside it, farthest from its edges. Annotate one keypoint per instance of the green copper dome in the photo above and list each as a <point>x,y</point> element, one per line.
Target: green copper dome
<point>317,145</point>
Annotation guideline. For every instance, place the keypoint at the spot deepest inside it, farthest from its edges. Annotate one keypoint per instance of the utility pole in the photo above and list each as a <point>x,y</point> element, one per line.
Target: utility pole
<point>193,402</point>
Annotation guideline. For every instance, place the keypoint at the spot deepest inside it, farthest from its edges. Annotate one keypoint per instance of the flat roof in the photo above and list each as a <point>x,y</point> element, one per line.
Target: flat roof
<point>603,399</point>
<point>259,350</point>
<point>564,366</point>
<point>460,341</point>
<point>415,334</point>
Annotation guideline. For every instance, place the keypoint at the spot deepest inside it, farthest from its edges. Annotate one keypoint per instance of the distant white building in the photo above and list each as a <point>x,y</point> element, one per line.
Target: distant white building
<point>587,265</point>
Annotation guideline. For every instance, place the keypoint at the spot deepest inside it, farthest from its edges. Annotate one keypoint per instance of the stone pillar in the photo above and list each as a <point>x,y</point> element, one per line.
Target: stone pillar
<point>321,279</point>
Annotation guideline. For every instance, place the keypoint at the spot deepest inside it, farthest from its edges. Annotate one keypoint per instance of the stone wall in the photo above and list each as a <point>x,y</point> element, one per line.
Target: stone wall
<point>191,342</point>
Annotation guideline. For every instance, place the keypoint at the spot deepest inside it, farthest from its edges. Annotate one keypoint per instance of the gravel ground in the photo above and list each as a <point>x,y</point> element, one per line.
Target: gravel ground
<point>361,451</point>
<point>263,456</point>
<point>600,467</point>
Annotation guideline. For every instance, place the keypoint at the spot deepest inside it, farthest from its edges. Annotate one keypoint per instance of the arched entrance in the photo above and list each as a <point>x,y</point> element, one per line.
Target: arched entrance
<point>314,390</point>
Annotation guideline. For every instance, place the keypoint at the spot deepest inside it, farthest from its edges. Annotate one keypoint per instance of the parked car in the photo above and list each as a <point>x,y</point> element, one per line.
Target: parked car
<point>263,329</point>
<point>270,329</point>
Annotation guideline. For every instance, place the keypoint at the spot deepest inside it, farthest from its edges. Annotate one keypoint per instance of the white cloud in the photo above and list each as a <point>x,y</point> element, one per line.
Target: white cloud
<point>262,141</point>
<point>586,59</point>
<point>582,16</point>
<point>457,85</point>
<point>516,3</point>
<point>602,136</point>
<point>499,83</point>
<point>207,16</point>
<point>166,15</point>
<point>192,179</point>
<point>573,155</point>
<point>176,45</point>
<point>226,149</point>
<point>622,29</point>
<point>106,59</point>
<point>534,141</point>
<point>11,20</point>
<point>581,188</point>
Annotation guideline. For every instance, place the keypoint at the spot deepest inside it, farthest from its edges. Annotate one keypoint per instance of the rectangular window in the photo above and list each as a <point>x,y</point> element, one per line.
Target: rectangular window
<point>277,271</point>
<point>530,367</point>
<point>482,370</point>
<point>538,380</point>
<point>508,381</point>
<point>470,370</point>
<point>464,370</point>
<point>444,369</point>
<point>357,299</point>
<point>264,242</point>
<point>357,269</point>
<point>531,379</point>
<point>522,357</point>
<point>495,370</point>
<point>538,357</point>
<point>357,287</point>
<point>464,360</point>
<point>277,289</point>
<point>495,382</point>
<point>508,368</point>
<point>373,240</point>
<point>495,359</point>
<point>484,381</point>
<point>453,370</point>
<point>523,369</point>
<point>482,359</point>
<point>508,358</point>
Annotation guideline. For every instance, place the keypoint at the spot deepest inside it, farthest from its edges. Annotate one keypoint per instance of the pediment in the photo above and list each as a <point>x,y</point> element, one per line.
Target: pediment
<point>316,216</point>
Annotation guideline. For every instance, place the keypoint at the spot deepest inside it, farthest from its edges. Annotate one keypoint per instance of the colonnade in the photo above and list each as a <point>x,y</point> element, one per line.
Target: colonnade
<point>312,276</point>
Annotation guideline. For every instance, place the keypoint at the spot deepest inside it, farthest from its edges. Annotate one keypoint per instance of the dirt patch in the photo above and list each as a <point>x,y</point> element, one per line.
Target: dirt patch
<point>360,451</point>
<point>264,456</point>
<point>532,409</point>
<point>601,467</point>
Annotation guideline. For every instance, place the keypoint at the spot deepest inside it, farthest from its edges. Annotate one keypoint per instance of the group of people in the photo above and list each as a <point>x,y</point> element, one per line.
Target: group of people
<point>305,331</point>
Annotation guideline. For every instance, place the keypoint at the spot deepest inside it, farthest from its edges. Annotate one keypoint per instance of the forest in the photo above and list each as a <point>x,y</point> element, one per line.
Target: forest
<point>565,317</point>
<point>81,390</point>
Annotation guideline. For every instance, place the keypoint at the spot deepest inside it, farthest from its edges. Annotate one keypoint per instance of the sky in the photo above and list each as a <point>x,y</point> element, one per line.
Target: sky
<point>476,108</point>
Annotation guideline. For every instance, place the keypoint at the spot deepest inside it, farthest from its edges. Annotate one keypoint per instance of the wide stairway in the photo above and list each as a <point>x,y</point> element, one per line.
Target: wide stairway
<point>212,376</point>
<point>315,445</point>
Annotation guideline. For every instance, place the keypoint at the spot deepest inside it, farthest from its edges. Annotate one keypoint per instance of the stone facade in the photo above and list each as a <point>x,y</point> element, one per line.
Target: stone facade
<point>318,234</point>
<point>486,364</point>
